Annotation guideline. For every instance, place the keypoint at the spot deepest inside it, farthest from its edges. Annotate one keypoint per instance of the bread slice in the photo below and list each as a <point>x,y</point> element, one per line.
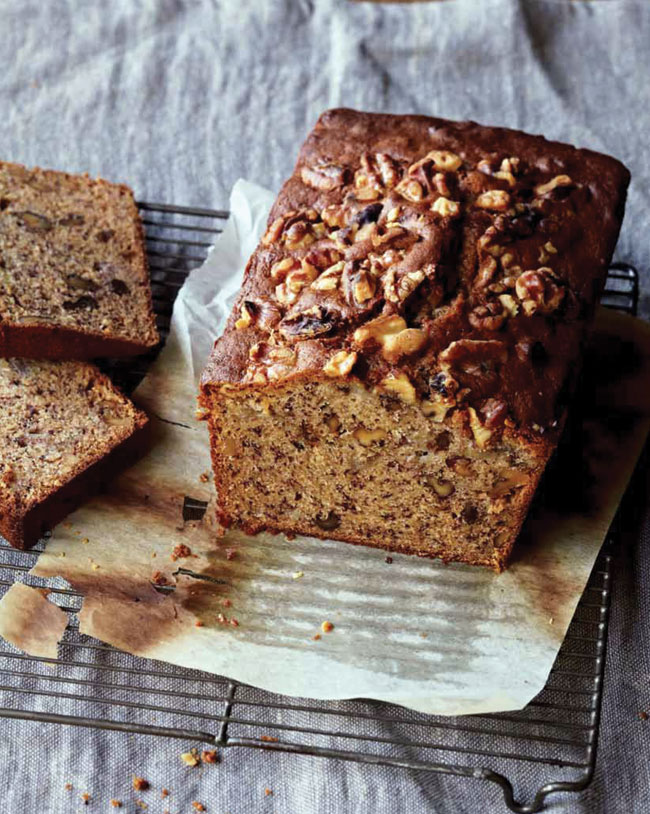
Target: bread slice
<point>74,282</point>
<point>397,367</point>
<point>65,428</point>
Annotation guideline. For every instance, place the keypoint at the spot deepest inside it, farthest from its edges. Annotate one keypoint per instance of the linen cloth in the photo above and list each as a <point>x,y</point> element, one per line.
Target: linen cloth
<point>179,99</point>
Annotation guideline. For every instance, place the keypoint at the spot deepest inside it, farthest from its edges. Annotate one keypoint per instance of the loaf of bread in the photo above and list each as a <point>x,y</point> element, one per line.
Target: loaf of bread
<point>65,428</point>
<point>74,281</point>
<point>398,365</point>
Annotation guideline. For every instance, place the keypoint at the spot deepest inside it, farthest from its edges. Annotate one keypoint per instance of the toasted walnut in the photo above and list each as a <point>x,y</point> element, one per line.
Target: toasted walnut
<point>440,183</point>
<point>366,232</point>
<point>481,434</point>
<point>506,176</point>
<point>486,272</point>
<point>442,160</point>
<point>388,169</point>
<point>323,176</point>
<point>446,208</point>
<point>285,295</point>
<point>281,268</point>
<point>495,199</point>
<point>401,386</point>
<point>554,183</point>
<point>272,234</point>
<point>510,304</point>
<point>440,486</point>
<point>341,364</point>
<point>391,333</point>
<point>510,164</point>
<point>330,279</point>
<point>399,289</point>
<point>411,190</point>
<point>469,351</point>
<point>512,479</point>
<point>393,214</point>
<point>314,321</point>
<point>485,166</point>
<point>369,437</point>
<point>298,236</point>
<point>363,287</point>
<point>334,216</point>
<point>539,291</point>
<point>322,258</point>
<point>436,408</point>
<point>494,412</point>
<point>487,317</point>
<point>246,317</point>
<point>377,329</point>
<point>300,278</point>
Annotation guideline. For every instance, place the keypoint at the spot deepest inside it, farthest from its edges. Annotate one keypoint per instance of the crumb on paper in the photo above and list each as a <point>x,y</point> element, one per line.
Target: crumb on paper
<point>230,553</point>
<point>298,575</point>
<point>140,784</point>
<point>327,627</point>
<point>158,578</point>
<point>68,787</point>
<point>234,622</point>
<point>116,803</point>
<point>209,756</point>
<point>85,541</point>
<point>198,806</point>
<point>204,477</point>
<point>190,758</point>
<point>181,552</point>
<point>268,792</point>
<point>268,738</point>
<point>316,637</point>
<point>164,793</point>
<point>388,560</point>
<point>95,566</point>
<point>199,623</point>
<point>551,620</point>
<point>227,603</point>
<point>61,554</point>
<point>85,797</point>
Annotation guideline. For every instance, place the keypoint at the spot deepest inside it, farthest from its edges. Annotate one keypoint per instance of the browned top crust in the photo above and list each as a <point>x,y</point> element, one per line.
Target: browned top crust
<point>438,261</point>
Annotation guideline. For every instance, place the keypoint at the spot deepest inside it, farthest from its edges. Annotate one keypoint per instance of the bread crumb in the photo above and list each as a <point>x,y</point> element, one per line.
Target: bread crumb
<point>551,620</point>
<point>116,803</point>
<point>204,477</point>
<point>209,756</point>
<point>181,551</point>
<point>297,574</point>
<point>141,804</point>
<point>85,797</point>
<point>230,553</point>
<point>164,793</point>
<point>190,758</point>
<point>388,560</point>
<point>267,792</point>
<point>198,806</point>
<point>327,627</point>
<point>95,567</point>
<point>199,623</point>
<point>643,715</point>
<point>227,603</point>
<point>268,738</point>
<point>140,784</point>
<point>234,622</point>
<point>316,637</point>
<point>68,787</point>
<point>85,541</point>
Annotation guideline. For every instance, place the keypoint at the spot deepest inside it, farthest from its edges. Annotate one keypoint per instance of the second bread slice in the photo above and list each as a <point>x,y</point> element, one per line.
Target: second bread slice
<point>64,428</point>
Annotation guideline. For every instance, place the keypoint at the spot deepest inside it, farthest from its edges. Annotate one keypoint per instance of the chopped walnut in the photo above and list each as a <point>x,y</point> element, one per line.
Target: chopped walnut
<point>554,183</point>
<point>368,437</point>
<point>487,317</point>
<point>273,233</point>
<point>388,169</point>
<point>411,190</point>
<point>341,364</point>
<point>442,160</point>
<point>329,279</point>
<point>437,408</point>
<point>245,319</point>
<point>446,208</point>
<point>539,291</point>
<point>323,176</point>
<point>481,434</point>
<point>334,216</point>
<point>495,199</point>
<point>392,334</point>
<point>401,386</point>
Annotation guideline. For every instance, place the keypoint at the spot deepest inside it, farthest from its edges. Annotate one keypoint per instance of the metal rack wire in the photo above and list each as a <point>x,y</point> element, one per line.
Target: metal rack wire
<point>548,747</point>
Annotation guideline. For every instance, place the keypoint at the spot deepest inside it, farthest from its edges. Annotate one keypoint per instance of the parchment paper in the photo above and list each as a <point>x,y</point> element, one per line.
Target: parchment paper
<point>440,639</point>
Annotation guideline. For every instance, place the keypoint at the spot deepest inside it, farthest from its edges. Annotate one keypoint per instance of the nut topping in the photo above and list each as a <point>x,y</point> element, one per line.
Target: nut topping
<point>391,333</point>
<point>411,190</point>
<point>539,291</point>
<point>272,234</point>
<point>329,280</point>
<point>554,183</point>
<point>245,319</point>
<point>497,200</point>
<point>281,268</point>
<point>323,176</point>
<point>341,364</point>
<point>315,321</point>
<point>443,206</point>
<point>487,317</point>
<point>442,160</point>
<point>388,169</point>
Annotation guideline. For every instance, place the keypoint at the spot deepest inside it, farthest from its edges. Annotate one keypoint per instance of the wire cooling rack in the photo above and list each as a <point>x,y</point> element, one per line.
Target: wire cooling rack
<point>548,747</point>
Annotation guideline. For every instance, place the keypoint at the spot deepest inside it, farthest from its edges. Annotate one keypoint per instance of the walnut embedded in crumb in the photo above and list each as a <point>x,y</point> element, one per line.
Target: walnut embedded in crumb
<point>230,553</point>
<point>209,756</point>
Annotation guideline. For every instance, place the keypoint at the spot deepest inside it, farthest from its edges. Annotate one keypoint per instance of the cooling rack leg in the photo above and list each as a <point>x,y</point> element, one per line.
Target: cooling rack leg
<point>222,738</point>
<point>538,801</point>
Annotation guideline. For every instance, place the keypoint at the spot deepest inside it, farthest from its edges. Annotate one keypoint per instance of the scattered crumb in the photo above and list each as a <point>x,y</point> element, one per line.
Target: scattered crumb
<point>227,603</point>
<point>85,797</point>
<point>643,715</point>
<point>154,554</point>
<point>61,554</point>
<point>158,578</point>
<point>199,623</point>
<point>551,620</point>
<point>141,804</point>
<point>327,627</point>
<point>181,551</point>
<point>68,787</point>
<point>268,738</point>
<point>198,806</point>
<point>67,525</point>
<point>116,803</point>
<point>316,637</point>
<point>424,635</point>
<point>268,792</point>
<point>230,553</point>
<point>388,560</point>
<point>140,784</point>
<point>298,574</point>
<point>164,793</point>
<point>209,756</point>
<point>204,477</point>
<point>190,758</point>
<point>234,622</point>
<point>85,541</point>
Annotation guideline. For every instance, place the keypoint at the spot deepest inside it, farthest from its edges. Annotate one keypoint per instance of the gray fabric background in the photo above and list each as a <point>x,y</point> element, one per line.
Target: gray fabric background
<point>180,99</point>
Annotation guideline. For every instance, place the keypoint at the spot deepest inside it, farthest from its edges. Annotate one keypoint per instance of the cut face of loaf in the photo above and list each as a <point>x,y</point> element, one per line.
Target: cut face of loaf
<point>398,365</point>
<point>65,428</point>
<point>74,282</point>
<point>334,460</point>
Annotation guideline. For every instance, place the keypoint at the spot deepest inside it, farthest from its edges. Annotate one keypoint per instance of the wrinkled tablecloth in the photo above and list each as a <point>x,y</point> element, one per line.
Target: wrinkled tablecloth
<point>181,98</point>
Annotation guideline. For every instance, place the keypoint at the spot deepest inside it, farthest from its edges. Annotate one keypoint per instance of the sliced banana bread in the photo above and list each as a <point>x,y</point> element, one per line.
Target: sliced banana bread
<point>74,282</point>
<point>64,428</point>
<point>397,367</point>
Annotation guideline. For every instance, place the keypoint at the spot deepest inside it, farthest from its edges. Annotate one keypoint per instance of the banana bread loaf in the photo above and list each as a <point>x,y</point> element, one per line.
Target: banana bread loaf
<point>397,367</point>
<point>65,428</point>
<point>74,282</point>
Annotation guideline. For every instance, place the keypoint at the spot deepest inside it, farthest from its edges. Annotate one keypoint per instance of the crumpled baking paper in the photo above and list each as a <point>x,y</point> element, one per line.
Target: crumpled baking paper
<point>440,639</point>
